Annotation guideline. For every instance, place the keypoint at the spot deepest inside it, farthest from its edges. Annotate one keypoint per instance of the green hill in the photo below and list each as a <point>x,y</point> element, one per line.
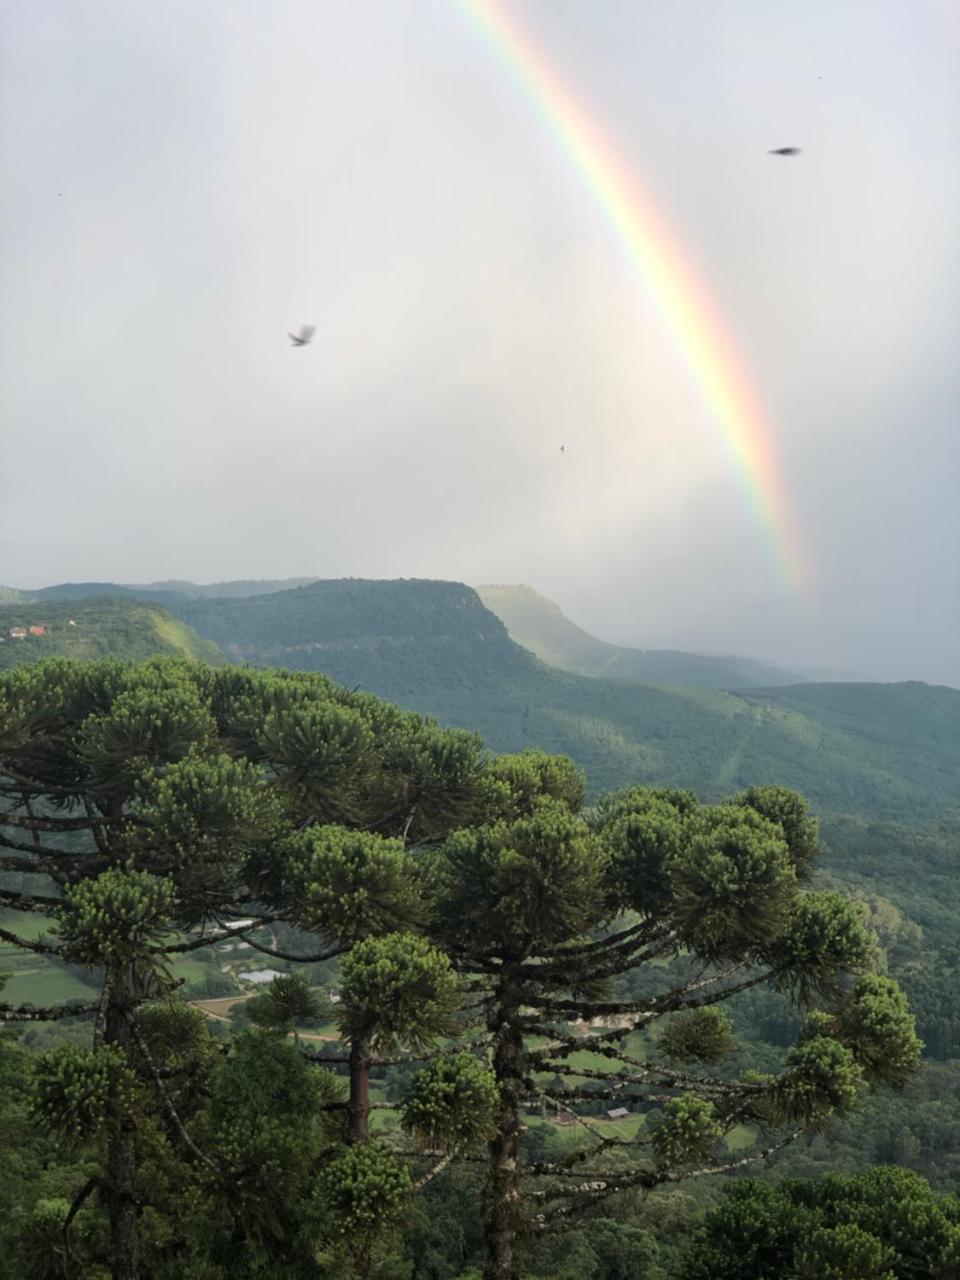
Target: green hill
<point>539,625</point>
<point>98,627</point>
<point>890,751</point>
<point>240,588</point>
<point>80,591</point>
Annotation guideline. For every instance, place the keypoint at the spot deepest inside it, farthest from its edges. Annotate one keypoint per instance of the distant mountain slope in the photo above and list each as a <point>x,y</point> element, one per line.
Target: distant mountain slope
<point>80,591</point>
<point>103,627</point>
<point>240,588</point>
<point>539,625</point>
<point>433,646</point>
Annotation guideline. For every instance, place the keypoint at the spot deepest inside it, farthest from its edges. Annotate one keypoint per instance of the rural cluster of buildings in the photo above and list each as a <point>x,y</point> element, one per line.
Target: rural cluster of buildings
<point>35,629</point>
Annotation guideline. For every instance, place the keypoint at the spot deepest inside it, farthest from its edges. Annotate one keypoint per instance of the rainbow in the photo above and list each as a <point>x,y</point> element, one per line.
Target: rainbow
<point>680,297</point>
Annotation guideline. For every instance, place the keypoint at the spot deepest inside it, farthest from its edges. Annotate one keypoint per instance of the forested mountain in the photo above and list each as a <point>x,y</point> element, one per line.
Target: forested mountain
<point>240,587</point>
<point>886,751</point>
<point>99,627</point>
<point>879,763</point>
<point>539,625</point>
<point>889,751</point>
<point>152,799</point>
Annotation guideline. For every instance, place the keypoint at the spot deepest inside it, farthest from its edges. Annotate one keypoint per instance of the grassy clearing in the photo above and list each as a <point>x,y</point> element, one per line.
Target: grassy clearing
<point>46,985</point>
<point>741,1137</point>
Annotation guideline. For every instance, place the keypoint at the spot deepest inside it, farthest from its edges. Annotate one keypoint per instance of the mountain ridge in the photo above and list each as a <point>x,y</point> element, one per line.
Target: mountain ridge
<point>889,751</point>
<point>540,625</point>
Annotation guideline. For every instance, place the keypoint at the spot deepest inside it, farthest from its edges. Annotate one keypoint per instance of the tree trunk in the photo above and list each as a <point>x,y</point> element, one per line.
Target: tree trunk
<point>503,1216</point>
<point>359,1105</point>
<point>121,1178</point>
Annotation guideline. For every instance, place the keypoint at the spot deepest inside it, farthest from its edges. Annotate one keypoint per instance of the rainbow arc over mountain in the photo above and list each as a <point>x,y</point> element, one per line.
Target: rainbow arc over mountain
<point>681,298</point>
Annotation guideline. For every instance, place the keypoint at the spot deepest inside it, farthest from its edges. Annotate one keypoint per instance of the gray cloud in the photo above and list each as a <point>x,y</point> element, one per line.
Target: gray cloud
<point>232,171</point>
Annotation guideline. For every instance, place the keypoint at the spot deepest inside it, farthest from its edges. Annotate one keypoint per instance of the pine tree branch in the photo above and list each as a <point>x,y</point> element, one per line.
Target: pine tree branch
<point>15,940</point>
<point>34,902</point>
<point>288,955</point>
<point>164,1096</point>
<point>591,948</point>
<point>38,786</point>
<point>10,819</point>
<point>64,855</point>
<point>78,1200</point>
<point>31,865</point>
<point>606,1185</point>
<point>432,1172</point>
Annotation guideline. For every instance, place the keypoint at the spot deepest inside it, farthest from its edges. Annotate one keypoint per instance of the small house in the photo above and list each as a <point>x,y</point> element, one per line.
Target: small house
<point>618,1113</point>
<point>38,630</point>
<point>566,1118</point>
<point>18,633</point>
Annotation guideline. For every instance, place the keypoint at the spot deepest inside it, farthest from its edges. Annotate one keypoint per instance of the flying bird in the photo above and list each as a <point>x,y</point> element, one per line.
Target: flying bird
<point>563,449</point>
<point>305,336</point>
<point>784,151</point>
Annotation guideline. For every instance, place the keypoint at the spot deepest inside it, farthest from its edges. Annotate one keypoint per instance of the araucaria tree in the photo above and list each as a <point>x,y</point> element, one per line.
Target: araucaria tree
<point>551,910</point>
<point>148,808</point>
<point>152,805</point>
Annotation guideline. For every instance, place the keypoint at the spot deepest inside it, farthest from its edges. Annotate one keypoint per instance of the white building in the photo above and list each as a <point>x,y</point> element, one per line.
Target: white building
<point>260,977</point>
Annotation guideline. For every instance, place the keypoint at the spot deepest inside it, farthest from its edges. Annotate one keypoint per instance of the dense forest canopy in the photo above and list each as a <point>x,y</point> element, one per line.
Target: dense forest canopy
<point>492,934</point>
<point>879,761</point>
<point>887,752</point>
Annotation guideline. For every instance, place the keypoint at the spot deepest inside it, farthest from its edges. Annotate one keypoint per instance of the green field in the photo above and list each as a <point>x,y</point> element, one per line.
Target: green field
<point>44,985</point>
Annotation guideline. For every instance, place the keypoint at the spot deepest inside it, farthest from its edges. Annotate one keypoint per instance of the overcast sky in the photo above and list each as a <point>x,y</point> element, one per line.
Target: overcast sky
<point>186,181</point>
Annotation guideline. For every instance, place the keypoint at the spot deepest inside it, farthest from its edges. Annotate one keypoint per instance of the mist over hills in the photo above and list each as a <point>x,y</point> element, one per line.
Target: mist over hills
<point>540,626</point>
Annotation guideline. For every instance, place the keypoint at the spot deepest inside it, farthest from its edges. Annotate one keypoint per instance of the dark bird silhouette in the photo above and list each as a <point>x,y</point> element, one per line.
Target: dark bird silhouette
<point>784,151</point>
<point>563,449</point>
<point>305,337</point>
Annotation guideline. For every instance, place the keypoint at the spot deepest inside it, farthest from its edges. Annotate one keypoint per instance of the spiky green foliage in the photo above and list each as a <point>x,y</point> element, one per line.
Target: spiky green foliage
<point>523,780</point>
<point>875,1021</point>
<point>364,1190</point>
<point>398,990</point>
<point>287,1002</point>
<point>732,884</point>
<point>824,938</point>
<point>74,1087</point>
<point>700,1035</point>
<point>534,881</point>
<point>791,812</point>
<point>451,1103</point>
<point>645,841</point>
<point>346,885</point>
<point>267,1129</point>
<point>688,1133</point>
<point>205,823</point>
<point>115,917</point>
<point>821,1077</point>
<point>885,1224</point>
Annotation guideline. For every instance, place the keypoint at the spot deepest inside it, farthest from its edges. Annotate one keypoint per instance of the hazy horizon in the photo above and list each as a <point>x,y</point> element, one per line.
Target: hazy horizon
<point>186,183</point>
